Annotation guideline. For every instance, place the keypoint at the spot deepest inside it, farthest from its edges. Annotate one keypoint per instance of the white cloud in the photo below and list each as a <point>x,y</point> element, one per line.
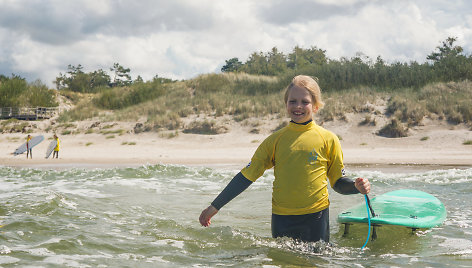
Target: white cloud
<point>181,39</point>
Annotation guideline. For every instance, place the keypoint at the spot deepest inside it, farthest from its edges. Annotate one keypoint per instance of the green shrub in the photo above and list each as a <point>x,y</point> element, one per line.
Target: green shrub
<point>205,127</point>
<point>11,90</point>
<point>38,95</point>
<point>170,121</point>
<point>407,108</point>
<point>450,100</point>
<point>119,98</point>
<point>208,83</point>
<point>394,129</point>
<point>72,96</point>
<point>16,92</point>
<point>368,120</point>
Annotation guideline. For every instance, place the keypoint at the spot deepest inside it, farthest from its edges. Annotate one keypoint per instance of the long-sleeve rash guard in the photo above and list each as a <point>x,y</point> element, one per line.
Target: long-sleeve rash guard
<point>240,183</point>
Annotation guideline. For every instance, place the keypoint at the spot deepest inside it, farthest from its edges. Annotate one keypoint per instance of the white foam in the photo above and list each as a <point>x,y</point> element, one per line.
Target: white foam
<point>8,260</point>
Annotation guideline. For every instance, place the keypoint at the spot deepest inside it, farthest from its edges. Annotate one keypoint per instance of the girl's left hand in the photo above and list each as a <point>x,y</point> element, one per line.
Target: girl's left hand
<point>363,185</point>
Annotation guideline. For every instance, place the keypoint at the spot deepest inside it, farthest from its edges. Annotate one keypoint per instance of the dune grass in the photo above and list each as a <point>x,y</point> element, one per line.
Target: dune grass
<point>243,96</point>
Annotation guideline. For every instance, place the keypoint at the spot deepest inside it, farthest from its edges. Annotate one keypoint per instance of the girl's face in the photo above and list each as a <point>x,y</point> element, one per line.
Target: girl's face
<point>300,105</point>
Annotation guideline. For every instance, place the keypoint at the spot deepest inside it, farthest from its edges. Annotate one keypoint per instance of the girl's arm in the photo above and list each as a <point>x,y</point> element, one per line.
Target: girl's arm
<point>236,186</point>
<point>346,185</point>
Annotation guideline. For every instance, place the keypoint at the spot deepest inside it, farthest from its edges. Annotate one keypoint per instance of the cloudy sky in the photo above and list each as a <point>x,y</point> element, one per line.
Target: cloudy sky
<point>180,39</point>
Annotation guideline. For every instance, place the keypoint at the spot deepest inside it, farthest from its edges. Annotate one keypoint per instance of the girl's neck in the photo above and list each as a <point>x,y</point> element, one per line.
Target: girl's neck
<point>305,123</point>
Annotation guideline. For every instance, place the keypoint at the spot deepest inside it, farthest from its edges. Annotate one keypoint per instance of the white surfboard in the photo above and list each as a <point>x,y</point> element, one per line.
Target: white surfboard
<point>33,142</point>
<point>51,147</point>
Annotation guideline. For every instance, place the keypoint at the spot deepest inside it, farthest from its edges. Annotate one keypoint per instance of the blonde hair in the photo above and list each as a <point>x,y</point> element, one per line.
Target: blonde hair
<point>309,84</point>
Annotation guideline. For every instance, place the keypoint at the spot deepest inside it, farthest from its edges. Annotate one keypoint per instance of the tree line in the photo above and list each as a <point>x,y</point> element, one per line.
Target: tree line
<point>447,63</point>
<point>75,79</point>
<point>15,91</point>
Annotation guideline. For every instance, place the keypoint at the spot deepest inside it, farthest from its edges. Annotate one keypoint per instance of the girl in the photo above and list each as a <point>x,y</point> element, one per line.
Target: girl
<point>304,156</point>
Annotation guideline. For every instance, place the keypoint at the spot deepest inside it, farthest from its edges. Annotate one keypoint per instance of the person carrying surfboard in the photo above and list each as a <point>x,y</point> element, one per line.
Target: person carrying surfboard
<point>305,157</point>
<point>56,149</point>
<point>29,151</point>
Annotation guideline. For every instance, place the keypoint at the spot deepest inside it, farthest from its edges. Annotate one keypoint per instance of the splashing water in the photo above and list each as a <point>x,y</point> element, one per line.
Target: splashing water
<point>148,217</point>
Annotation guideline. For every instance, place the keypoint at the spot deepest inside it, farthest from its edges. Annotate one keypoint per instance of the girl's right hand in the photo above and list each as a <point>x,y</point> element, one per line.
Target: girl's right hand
<point>207,214</point>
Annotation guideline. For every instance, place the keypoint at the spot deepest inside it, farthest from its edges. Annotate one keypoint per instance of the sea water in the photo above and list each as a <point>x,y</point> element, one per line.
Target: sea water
<point>148,217</point>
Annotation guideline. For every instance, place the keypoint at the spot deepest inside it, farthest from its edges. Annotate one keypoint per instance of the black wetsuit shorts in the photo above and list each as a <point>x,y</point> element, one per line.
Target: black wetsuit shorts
<point>308,228</point>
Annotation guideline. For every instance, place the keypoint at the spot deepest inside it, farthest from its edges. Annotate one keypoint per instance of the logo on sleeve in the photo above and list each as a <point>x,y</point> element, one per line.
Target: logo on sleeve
<point>343,172</point>
<point>248,165</point>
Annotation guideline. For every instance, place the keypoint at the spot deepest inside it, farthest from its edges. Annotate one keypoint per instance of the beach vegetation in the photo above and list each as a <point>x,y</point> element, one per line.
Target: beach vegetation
<point>394,129</point>
<point>88,143</point>
<point>407,107</point>
<point>13,139</point>
<point>82,111</point>
<point>76,80</point>
<point>425,138</point>
<point>108,126</point>
<point>116,131</point>
<point>169,135</point>
<point>13,125</point>
<point>15,91</point>
<point>71,96</point>
<point>67,125</point>
<point>126,96</point>
<point>207,127</point>
<point>7,122</point>
<point>255,131</point>
<point>368,120</point>
<point>467,142</point>
<point>128,143</point>
<point>407,93</point>
<point>169,121</point>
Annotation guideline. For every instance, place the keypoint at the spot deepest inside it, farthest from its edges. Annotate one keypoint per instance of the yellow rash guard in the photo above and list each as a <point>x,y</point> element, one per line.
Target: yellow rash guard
<point>304,157</point>
<point>57,146</point>
<point>27,142</point>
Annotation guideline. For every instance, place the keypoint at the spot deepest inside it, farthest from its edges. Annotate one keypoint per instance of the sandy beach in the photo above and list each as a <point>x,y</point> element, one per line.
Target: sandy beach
<point>443,146</point>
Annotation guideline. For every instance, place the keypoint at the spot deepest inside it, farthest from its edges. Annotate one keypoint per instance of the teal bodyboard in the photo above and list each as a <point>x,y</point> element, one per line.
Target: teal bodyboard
<point>409,208</point>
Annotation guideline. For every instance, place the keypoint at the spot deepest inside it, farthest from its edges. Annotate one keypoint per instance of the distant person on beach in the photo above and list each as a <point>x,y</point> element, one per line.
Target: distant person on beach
<point>29,151</point>
<point>304,157</point>
<point>56,149</point>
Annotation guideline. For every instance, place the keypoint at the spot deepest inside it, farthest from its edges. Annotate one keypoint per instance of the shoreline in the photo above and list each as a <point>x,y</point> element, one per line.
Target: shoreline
<point>358,158</point>
<point>443,148</point>
<point>385,168</point>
